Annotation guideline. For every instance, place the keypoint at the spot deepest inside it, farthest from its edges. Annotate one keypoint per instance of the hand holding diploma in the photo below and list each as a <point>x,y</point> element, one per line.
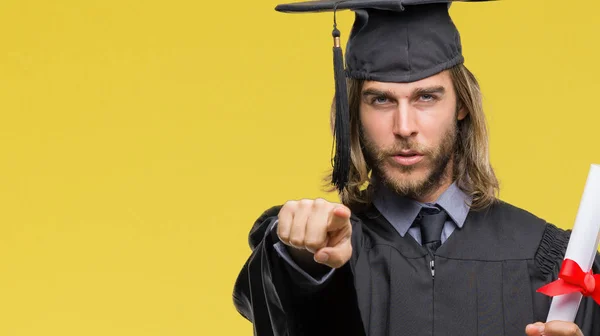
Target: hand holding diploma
<point>576,278</point>
<point>553,328</point>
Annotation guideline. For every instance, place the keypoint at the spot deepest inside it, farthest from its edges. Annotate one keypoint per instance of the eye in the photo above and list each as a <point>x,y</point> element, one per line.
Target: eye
<point>427,97</point>
<point>380,100</point>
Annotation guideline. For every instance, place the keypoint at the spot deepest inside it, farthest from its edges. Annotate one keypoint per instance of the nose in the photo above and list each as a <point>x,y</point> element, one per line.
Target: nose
<point>405,125</point>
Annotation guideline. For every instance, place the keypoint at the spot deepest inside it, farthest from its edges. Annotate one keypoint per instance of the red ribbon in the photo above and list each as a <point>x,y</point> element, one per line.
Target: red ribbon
<point>573,279</point>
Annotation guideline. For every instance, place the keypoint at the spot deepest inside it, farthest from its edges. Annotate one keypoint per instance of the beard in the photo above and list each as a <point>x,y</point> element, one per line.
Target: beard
<point>402,179</point>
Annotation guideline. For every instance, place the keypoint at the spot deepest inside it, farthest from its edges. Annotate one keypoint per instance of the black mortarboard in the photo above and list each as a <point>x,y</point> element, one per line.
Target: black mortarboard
<point>390,41</point>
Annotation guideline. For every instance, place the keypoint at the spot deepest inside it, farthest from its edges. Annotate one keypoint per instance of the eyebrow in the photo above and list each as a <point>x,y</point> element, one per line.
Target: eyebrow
<point>379,93</point>
<point>430,90</point>
<point>417,92</point>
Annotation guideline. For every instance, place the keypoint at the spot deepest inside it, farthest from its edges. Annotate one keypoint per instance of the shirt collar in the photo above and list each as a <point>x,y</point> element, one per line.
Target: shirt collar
<point>401,212</point>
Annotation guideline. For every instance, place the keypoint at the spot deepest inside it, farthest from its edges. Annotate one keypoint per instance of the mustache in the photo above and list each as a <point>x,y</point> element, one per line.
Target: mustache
<point>403,146</point>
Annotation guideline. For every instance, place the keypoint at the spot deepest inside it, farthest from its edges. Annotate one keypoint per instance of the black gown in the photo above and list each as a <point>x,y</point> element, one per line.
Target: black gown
<point>485,281</point>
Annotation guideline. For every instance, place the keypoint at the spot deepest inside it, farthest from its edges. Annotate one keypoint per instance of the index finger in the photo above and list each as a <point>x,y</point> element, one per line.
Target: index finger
<point>338,218</point>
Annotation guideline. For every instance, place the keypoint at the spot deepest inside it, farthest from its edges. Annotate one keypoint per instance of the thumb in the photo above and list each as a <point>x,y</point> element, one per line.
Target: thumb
<point>536,329</point>
<point>338,218</point>
<point>335,257</point>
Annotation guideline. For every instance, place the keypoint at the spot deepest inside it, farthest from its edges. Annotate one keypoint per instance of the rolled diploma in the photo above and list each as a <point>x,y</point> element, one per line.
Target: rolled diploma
<point>583,245</point>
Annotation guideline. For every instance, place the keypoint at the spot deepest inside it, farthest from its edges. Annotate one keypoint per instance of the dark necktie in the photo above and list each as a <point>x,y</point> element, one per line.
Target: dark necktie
<point>431,225</point>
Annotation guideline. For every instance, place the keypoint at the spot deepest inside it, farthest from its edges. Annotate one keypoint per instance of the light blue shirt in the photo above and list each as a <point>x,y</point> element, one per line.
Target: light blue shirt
<point>401,212</point>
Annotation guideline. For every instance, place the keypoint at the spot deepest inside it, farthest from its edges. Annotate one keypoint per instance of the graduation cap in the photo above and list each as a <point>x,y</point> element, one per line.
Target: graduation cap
<point>390,41</point>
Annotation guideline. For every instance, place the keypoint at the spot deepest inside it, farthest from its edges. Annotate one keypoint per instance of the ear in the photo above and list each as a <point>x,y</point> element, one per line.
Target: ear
<point>462,113</point>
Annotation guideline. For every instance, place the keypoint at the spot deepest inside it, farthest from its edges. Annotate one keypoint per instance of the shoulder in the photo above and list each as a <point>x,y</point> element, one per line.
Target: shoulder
<point>511,214</point>
<point>509,218</point>
<point>526,222</point>
<point>552,240</point>
<point>509,223</point>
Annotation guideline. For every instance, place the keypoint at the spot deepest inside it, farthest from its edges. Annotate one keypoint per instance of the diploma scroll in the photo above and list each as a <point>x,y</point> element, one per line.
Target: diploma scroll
<point>582,246</point>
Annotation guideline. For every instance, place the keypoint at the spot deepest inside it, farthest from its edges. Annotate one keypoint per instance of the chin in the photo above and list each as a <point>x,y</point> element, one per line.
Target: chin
<point>407,173</point>
<point>407,179</point>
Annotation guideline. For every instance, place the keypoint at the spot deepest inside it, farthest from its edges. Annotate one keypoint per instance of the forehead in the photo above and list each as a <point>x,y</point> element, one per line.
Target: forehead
<point>440,79</point>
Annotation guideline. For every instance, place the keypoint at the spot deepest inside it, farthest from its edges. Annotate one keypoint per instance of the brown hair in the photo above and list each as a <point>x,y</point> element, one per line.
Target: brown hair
<point>472,173</point>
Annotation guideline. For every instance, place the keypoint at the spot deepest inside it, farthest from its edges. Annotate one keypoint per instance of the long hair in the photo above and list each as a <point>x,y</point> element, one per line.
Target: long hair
<point>472,172</point>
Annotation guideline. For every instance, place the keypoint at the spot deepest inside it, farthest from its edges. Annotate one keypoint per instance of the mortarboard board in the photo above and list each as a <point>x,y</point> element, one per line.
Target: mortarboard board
<point>390,41</point>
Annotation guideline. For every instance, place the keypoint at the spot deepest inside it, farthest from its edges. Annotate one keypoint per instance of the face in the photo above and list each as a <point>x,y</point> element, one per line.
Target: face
<point>409,133</point>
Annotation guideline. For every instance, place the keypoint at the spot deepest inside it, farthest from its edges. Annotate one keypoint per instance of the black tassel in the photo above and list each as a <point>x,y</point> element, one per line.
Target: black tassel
<point>341,166</point>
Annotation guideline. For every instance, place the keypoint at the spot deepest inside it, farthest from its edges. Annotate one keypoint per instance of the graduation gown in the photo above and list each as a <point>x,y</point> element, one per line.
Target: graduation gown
<point>483,282</point>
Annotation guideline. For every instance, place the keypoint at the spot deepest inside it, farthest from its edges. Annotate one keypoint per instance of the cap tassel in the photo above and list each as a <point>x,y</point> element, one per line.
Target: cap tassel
<point>341,166</point>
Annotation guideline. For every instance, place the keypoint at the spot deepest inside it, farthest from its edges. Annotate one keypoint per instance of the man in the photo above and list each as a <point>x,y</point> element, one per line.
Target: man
<point>419,245</point>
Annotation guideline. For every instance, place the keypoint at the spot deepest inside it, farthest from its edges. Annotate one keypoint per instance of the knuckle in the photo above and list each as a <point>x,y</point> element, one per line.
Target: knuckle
<point>283,235</point>
<point>305,203</point>
<point>292,204</point>
<point>313,244</point>
<point>320,202</point>
<point>296,242</point>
